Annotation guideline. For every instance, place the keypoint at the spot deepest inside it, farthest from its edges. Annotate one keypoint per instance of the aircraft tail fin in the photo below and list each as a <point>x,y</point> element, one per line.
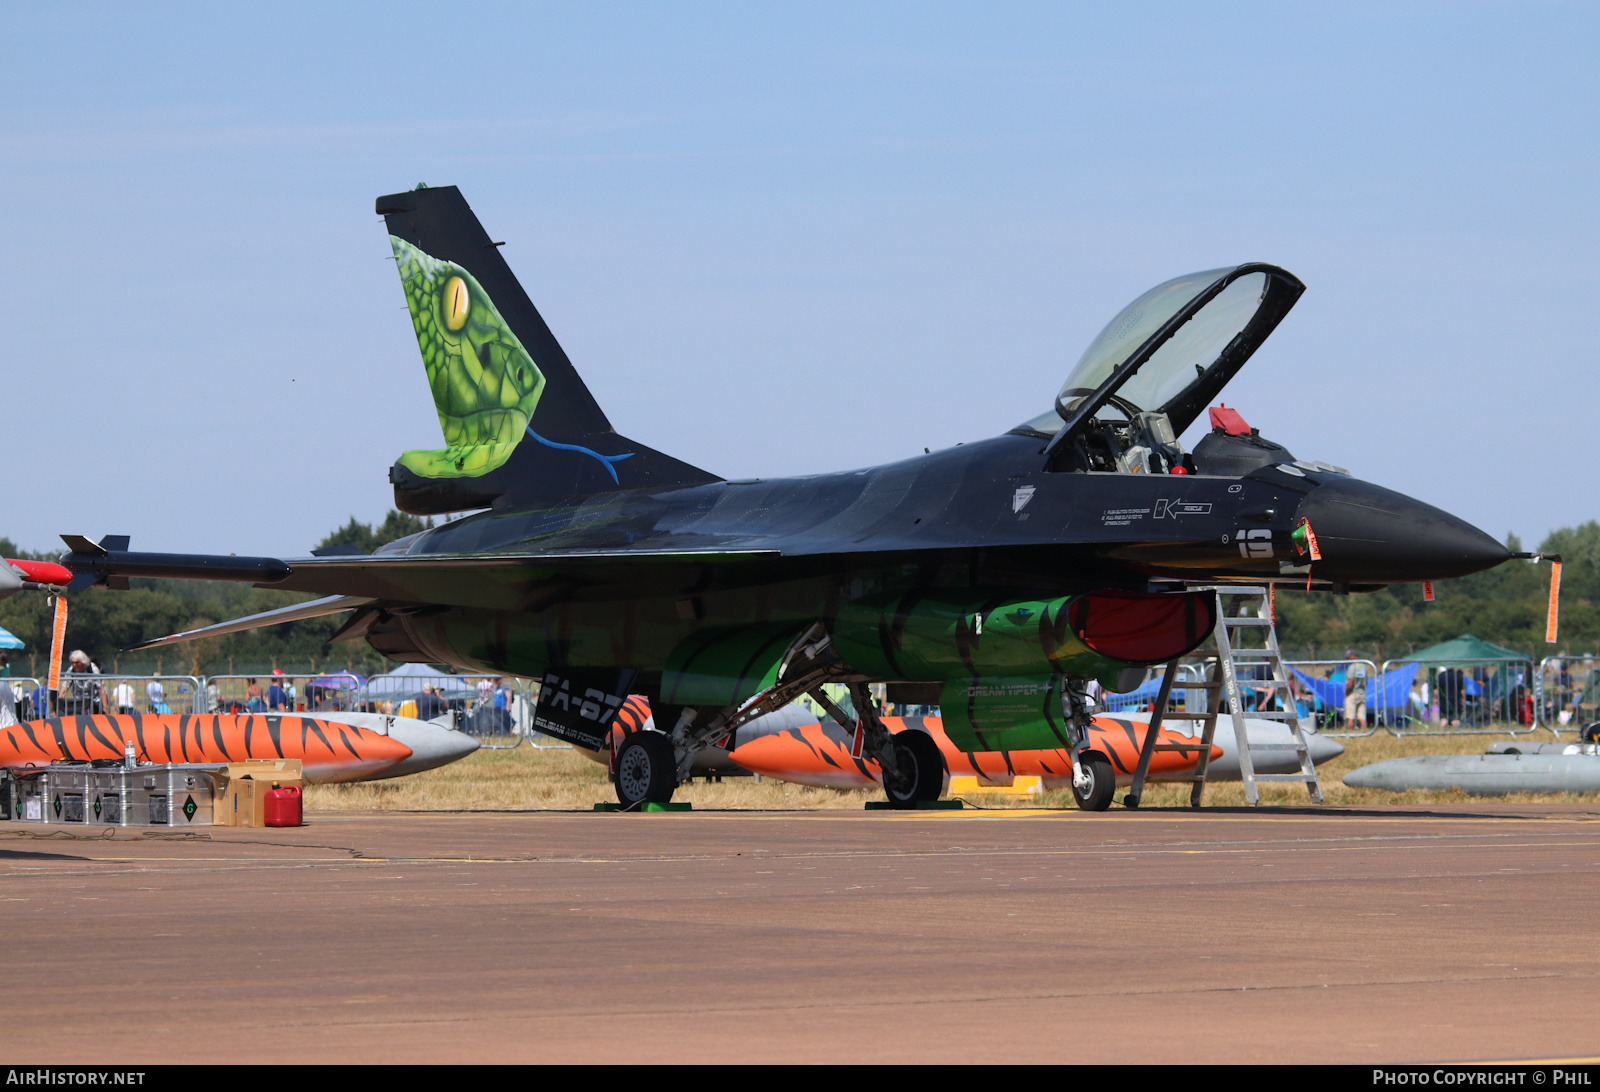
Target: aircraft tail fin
<point>519,424</point>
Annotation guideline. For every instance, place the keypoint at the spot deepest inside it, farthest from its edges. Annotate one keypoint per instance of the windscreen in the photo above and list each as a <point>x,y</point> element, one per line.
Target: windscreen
<point>1182,358</point>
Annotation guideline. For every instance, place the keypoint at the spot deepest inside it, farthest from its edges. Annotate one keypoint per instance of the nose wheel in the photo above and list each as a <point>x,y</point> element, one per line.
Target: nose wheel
<point>1100,782</point>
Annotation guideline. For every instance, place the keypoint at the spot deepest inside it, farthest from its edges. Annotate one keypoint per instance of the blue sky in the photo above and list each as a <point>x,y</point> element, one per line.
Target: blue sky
<point>779,240</point>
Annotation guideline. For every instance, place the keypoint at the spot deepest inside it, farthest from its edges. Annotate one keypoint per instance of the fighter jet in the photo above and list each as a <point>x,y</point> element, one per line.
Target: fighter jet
<point>995,578</point>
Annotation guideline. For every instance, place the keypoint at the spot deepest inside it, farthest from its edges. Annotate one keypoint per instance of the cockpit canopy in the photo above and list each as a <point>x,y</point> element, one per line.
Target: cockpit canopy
<point>1159,362</point>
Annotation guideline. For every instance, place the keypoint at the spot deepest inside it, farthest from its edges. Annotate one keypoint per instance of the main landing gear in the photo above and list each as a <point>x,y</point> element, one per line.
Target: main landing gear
<point>647,770</point>
<point>919,770</point>
<point>649,765</point>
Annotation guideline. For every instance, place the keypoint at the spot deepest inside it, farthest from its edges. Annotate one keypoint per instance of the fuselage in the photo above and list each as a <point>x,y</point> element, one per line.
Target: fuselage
<point>985,517</point>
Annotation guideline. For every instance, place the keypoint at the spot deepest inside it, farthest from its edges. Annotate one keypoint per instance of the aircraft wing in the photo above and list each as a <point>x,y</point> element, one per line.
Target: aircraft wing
<point>494,581</point>
<point>333,604</point>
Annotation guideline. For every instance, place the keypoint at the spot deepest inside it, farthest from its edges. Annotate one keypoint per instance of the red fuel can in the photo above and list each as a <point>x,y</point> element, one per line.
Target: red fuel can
<point>281,808</point>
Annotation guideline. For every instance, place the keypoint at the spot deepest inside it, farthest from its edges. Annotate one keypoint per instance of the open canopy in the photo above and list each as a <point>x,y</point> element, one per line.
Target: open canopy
<point>1175,347</point>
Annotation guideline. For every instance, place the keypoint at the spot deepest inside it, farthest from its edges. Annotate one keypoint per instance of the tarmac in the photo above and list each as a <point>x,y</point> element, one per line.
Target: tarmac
<point>1449,933</point>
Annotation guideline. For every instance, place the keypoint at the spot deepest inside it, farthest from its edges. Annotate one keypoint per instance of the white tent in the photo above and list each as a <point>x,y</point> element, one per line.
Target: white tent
<point>405,683</point>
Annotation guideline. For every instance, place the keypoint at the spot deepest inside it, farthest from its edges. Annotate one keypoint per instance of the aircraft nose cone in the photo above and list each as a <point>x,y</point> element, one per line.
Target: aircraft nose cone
<point>1371,535</point>
<point>432,745</point>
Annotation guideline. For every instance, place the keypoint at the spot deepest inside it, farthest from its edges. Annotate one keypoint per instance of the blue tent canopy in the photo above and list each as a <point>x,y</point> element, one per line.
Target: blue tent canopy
<point>1395,693</point>
<point>10,640</point>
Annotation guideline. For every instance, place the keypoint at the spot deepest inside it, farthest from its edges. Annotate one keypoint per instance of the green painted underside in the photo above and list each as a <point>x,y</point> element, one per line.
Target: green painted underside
<point>957,635</point>
<point>721,667</point>
<point>1004,713</point>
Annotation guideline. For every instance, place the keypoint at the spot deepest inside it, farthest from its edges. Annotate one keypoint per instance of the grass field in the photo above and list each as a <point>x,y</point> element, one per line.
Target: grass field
<point>529,779</point>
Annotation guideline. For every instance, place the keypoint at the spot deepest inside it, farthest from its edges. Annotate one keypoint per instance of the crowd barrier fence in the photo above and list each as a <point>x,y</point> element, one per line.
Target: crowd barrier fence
<point>498,725</point>
<point>502,722</point>
<point>1466,697</point>
<point>1323,698</point>
<point>85,693</point>
<point>25,692</point>
<point>1566,693</point>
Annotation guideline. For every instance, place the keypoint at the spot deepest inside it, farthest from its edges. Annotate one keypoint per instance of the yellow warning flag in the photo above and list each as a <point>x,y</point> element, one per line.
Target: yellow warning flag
<point>58,638</point>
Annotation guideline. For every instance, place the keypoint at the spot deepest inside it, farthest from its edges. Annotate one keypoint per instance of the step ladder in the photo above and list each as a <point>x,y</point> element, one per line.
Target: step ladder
<point>1232,634</point>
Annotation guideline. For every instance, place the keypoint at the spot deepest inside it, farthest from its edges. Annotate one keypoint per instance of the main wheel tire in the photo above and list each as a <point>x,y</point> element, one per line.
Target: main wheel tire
<point>1102,787</point>
<point>647,770</point>
<point>922,770</point>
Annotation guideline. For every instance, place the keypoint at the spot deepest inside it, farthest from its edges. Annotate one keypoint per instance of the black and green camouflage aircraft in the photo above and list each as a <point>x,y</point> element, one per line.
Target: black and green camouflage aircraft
<point>995,579</point>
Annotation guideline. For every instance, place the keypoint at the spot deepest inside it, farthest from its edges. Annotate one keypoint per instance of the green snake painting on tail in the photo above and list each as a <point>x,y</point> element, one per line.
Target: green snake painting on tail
<point>485,385</point>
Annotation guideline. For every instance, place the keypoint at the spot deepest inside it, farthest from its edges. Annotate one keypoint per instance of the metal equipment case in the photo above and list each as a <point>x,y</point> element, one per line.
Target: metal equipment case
<point>179,795</point>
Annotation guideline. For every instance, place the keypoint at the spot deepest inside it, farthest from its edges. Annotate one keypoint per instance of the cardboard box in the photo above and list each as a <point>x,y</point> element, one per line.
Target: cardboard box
<point>264,769</point>
<point>241,802</point>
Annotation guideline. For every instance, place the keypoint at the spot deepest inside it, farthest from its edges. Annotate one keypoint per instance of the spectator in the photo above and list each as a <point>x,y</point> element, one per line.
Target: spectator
<point>1452,696</point>
<point>8,705</point>
<point>122,697</point>
<point>158,696</point>
<point>276,698</point>
<point>1355,693</point>
<point>212,702</point>
<point>253,702</point>
<point>80,694</point>
<point>430,705</point>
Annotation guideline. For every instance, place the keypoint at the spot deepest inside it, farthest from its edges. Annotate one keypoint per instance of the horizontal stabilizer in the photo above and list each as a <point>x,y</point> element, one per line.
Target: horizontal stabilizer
<point>333,604</point>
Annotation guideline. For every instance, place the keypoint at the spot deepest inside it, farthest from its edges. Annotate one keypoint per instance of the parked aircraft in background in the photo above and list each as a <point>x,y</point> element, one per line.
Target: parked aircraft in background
<point>994,579</point>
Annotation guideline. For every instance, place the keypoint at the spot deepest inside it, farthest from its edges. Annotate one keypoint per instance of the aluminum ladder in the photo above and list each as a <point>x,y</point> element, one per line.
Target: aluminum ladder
<point>1233,653</point>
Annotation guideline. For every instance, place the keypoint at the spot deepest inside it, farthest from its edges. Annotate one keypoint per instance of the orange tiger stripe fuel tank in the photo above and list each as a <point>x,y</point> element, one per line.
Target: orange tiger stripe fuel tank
<point>328,750</point>
<point>819,754</point>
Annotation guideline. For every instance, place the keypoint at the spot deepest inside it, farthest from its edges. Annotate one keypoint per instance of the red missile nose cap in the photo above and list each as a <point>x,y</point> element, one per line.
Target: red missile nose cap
<point>43,572</point>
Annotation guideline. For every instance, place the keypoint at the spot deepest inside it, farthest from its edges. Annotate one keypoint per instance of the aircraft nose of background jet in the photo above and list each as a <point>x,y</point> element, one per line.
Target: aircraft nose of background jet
<point>1369,534</point>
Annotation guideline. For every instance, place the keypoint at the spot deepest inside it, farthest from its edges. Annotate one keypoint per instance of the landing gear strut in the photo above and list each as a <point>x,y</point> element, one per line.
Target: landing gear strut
<point>912,766</point>
<point>1094,783</point>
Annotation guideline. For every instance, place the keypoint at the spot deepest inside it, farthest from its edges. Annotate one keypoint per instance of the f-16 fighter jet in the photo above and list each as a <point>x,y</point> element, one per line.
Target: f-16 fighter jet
<point>995,579</point>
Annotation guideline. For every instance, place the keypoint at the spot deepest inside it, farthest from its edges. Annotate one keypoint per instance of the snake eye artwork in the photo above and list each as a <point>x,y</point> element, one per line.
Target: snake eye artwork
<point>485,385</point>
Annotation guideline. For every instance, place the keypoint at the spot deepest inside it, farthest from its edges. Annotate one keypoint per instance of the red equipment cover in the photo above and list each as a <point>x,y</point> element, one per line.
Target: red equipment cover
<point>1228,421</point>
